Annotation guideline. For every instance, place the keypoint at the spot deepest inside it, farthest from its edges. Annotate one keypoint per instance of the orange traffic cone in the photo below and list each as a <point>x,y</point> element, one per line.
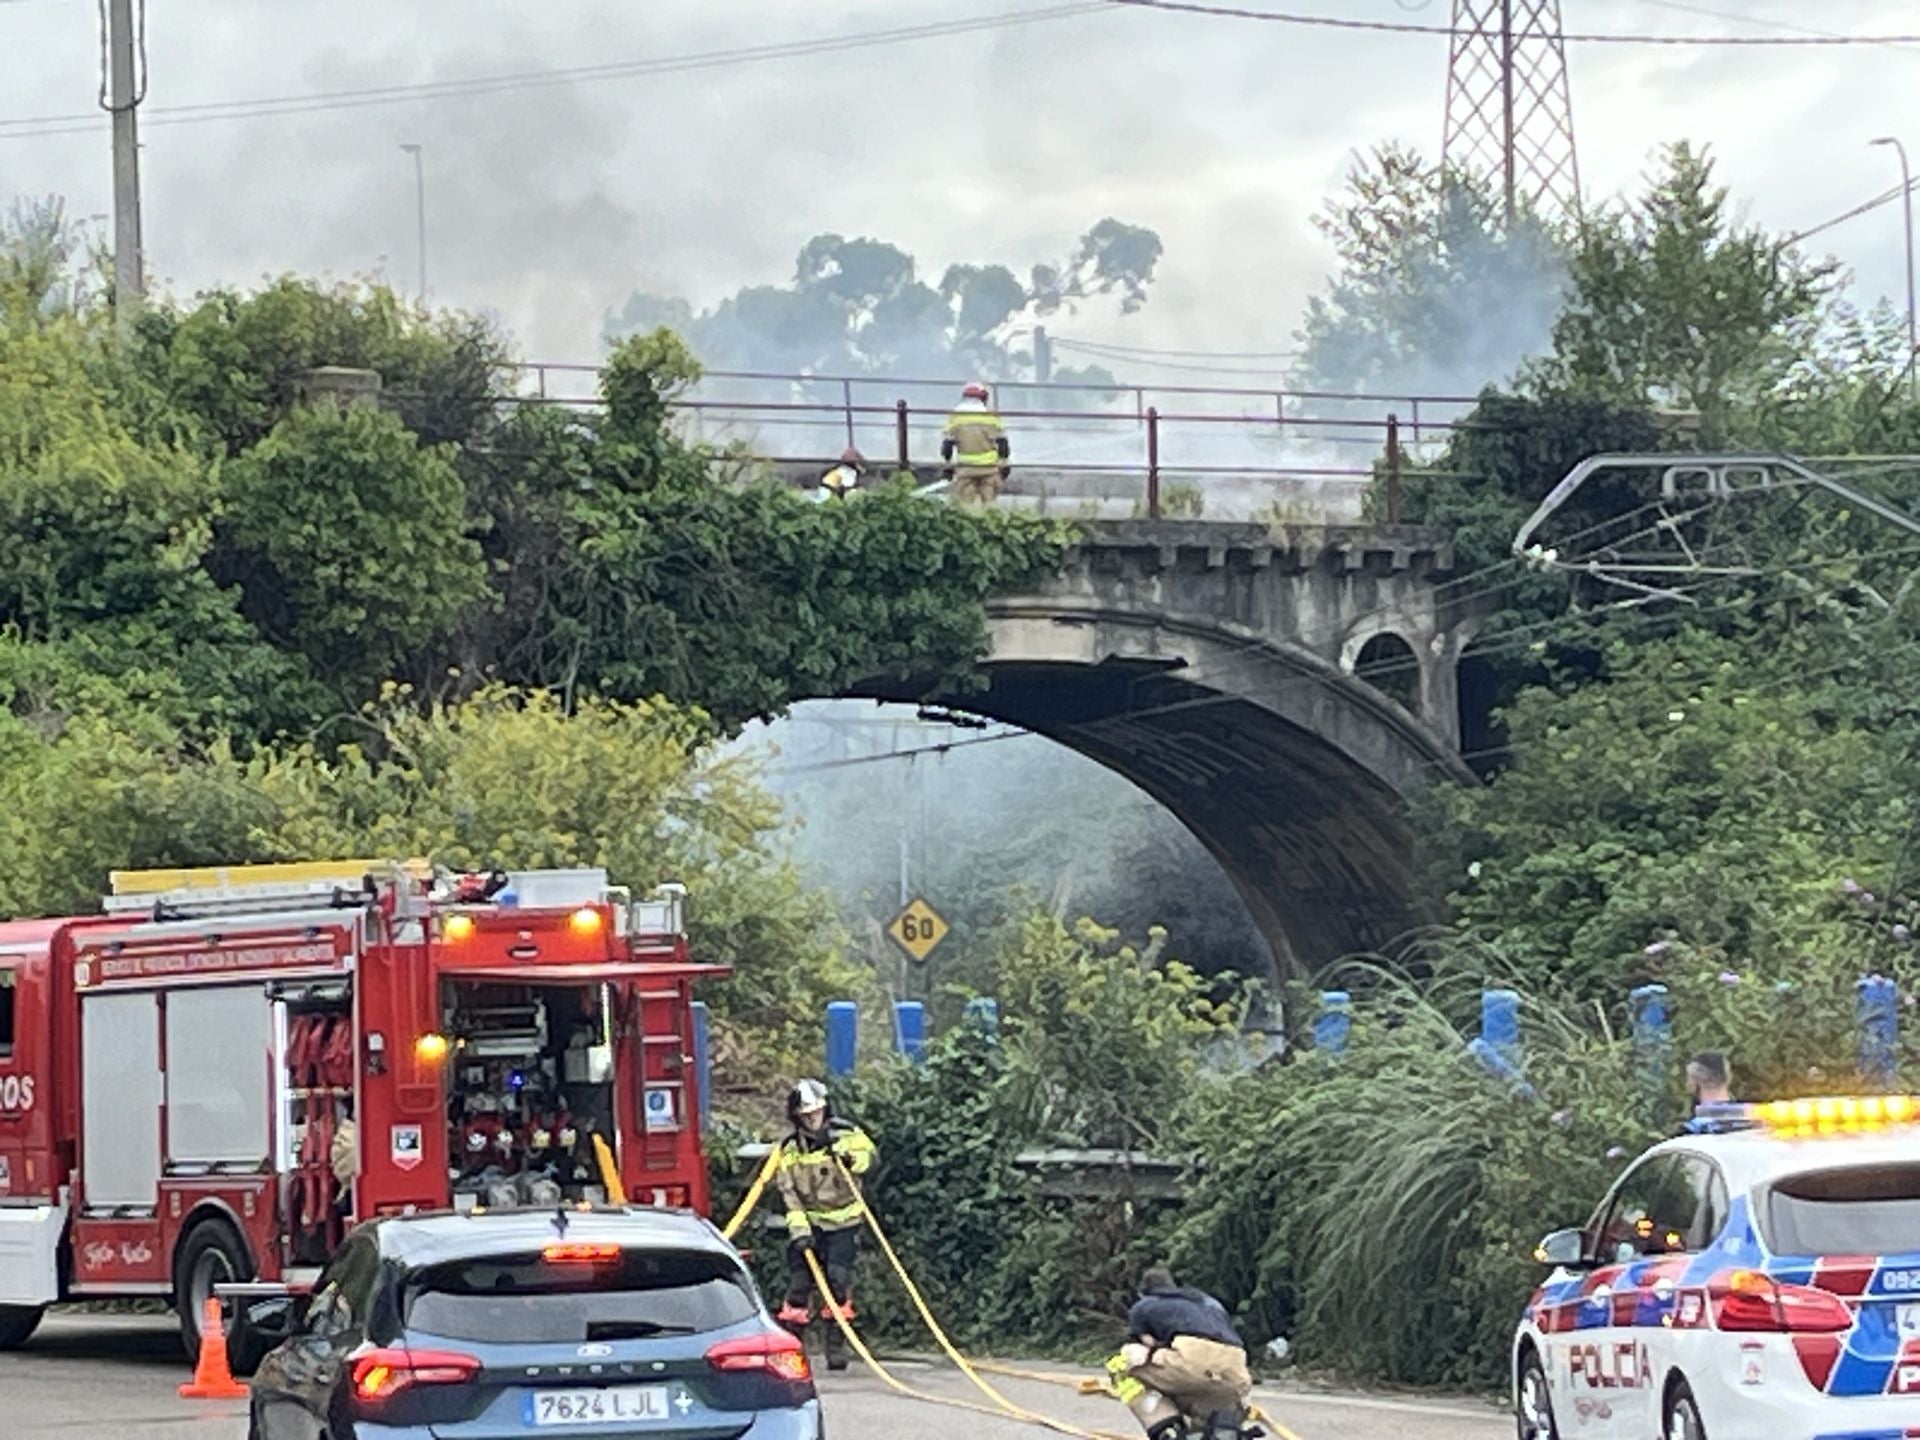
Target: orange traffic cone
<point>212,1380</point>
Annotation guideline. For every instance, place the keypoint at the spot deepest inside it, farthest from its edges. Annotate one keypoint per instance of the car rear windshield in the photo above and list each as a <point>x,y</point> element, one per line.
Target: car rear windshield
<point>528,1300</point>
<point>1867,1210</point>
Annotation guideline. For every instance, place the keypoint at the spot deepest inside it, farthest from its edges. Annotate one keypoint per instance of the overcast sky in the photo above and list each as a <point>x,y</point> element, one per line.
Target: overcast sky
<point>548,204</point>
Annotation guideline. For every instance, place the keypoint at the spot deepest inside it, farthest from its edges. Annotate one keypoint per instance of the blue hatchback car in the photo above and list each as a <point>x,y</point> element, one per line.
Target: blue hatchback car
<point>600,1324</point>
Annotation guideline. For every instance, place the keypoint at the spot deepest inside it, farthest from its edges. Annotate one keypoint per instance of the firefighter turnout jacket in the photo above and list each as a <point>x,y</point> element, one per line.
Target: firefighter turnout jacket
<point>974,438</point>
<point>816,1190</point>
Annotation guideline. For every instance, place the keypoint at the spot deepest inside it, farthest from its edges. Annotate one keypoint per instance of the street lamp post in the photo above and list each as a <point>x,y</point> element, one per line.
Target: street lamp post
<point>1913,319</point>
<point>420,209</point>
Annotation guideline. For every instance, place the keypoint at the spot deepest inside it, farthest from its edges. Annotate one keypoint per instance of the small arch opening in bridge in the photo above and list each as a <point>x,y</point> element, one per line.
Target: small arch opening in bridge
<point>1389,665</point>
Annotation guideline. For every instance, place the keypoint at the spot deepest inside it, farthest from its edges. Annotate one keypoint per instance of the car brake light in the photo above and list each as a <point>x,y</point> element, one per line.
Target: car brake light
<point>1749,1300</point>
<point>580,1254</point>
<point>777,1354</point>
<point>381,1374</point>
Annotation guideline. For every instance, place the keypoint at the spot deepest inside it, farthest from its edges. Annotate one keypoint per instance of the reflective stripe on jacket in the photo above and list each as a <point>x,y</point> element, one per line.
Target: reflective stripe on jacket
<point>977,434</point>
<point>817,1194</point>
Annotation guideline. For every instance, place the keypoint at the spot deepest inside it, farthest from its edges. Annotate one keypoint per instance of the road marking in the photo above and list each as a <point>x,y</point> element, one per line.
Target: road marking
<point>1274,1400</point>
<point>1278,1399</point>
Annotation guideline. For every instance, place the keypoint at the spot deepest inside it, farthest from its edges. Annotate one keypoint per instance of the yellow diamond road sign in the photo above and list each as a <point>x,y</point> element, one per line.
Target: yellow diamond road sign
<point>918,928</point>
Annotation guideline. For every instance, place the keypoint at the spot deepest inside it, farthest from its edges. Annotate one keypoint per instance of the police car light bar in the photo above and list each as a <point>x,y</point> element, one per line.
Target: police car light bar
<point>1824,1115</point>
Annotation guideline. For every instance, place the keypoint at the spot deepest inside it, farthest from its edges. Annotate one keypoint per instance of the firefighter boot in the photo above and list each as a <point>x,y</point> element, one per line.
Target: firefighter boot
<point>1172,1428</point>
<point>794,1319</point>
<point>832,1313</point>
<point>1225,1425</point>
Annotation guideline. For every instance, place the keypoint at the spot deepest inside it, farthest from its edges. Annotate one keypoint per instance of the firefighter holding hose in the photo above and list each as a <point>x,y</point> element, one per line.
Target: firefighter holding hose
<point>1183,1371</point>
<point>814,1171</point>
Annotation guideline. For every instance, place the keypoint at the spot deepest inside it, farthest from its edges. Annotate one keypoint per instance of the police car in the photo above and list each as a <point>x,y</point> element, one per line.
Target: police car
<point>1758,1279</point>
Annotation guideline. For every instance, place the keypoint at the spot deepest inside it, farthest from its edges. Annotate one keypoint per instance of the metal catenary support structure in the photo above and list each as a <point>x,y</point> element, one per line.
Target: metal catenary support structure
<point>1509,106</point>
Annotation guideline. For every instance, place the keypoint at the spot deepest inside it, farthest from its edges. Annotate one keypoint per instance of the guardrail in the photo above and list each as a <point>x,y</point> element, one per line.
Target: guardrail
<point>1204,434</point>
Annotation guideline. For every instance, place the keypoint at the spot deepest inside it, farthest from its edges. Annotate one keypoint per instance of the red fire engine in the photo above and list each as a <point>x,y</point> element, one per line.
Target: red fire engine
<point>215,1078</point>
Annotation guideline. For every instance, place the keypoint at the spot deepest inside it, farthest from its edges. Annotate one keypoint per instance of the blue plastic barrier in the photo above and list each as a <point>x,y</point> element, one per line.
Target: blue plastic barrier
<point>1496,1063</point>
<point>843,1037</point>
<point>1333,1026</point>
<point>1500,1022</point>
<point>1879,1012</point>
<point>910,1029</point>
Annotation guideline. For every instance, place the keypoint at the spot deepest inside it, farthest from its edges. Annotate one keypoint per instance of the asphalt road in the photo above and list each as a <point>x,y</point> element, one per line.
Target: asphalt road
<point>114,1377</point>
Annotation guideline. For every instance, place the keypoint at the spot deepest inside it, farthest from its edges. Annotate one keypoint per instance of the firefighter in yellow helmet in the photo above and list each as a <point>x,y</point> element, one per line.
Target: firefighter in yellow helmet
<point>823,1208</point>
<point>843,479</point>
<point>975,449</point>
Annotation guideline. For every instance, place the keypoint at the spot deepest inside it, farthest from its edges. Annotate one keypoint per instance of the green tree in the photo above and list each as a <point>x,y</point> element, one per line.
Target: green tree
<point>858,307</point>
<point>504,778</point>
<point>347,539</point>
<point>227,370</point>
<point>1435,291</point>
<point>1677,304</point>
<point>748,596</point>
<point>1066,993</point>
<point>1693,795</point>
<point>106,603</point>
<point>39,271</point>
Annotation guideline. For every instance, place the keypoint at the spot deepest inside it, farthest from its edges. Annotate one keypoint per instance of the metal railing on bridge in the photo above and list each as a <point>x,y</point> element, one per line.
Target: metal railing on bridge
<point>1202,437</point>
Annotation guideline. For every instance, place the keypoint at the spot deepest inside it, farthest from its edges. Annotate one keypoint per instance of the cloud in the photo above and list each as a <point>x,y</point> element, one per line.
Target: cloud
<point>549,205</point>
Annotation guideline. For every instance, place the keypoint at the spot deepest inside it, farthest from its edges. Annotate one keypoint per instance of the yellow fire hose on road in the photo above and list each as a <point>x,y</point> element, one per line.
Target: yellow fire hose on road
<point>754,1192</point>
<point>1001,1406</point>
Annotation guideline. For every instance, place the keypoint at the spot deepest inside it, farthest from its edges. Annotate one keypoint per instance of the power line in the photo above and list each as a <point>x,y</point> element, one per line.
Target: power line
<point>1150,351</point>
<point>1758,21</point>
<point>939,749</point>
<point>1886,197</point>
<point>23,127</point>
<point>1409,27</point>
<point>1096,352</point>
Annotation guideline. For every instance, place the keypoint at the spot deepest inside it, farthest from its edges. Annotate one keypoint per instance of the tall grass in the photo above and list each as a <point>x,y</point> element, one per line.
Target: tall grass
<point>1381,1206</point>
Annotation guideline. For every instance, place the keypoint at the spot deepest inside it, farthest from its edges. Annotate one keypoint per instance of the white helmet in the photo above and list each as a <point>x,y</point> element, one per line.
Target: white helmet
<point>806,1095</point>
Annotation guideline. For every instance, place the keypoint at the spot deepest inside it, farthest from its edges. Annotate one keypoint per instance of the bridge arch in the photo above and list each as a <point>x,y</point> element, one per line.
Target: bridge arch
<point>1289,767</point>
<point>1393,667</point>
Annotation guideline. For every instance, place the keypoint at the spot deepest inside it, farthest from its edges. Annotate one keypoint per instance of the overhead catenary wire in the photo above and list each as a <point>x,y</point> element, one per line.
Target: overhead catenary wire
<point>1412,27</point>
<point>1188,367</point>
<point>1886,197</point>
<point>1115,347</point>
<point>1760,22</point>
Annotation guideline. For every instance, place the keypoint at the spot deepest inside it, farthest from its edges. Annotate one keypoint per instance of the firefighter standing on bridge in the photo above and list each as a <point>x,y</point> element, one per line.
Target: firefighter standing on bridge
<point>975,449</point>
<point>824,1213</point>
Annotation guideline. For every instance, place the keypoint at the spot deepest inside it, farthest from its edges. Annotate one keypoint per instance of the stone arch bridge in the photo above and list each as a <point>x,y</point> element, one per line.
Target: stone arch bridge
<point>1284,690</point>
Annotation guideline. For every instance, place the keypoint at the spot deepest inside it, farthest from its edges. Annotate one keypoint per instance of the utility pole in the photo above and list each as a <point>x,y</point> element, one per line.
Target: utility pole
<point>420,212</point>
<point>128,89</point>
<point>1042,355</point>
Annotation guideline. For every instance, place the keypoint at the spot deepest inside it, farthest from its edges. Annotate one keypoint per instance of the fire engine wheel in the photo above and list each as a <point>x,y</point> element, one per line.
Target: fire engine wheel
<point>17,1324</point>
<point>212,1254</point>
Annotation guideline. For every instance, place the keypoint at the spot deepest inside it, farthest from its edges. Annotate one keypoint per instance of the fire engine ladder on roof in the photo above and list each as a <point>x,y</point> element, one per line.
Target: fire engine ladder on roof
<point>248,889</point>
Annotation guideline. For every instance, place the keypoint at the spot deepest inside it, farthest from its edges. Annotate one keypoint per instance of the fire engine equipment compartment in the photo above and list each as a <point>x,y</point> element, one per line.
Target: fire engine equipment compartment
<point>530,1082</point>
